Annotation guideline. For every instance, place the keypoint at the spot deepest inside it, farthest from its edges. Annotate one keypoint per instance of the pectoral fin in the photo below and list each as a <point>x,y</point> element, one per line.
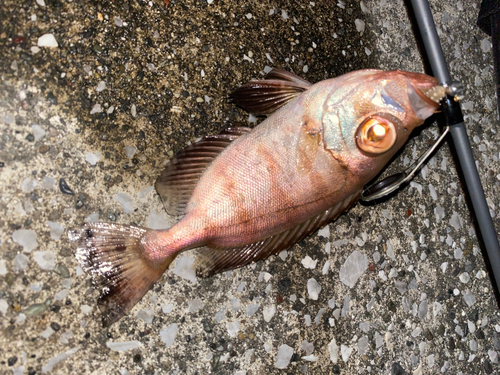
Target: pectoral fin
<point>211,261</point>
<point>267,95</point>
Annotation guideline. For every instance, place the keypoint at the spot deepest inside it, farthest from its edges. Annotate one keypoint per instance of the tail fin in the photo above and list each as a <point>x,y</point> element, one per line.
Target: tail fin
<point>116,258</point>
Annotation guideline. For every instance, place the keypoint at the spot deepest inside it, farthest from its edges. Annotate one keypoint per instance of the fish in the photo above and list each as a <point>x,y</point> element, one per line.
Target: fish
<point>245,194</point>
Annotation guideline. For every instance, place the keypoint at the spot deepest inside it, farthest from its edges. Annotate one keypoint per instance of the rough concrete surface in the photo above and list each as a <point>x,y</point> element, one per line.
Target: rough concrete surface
<point>129,84</point>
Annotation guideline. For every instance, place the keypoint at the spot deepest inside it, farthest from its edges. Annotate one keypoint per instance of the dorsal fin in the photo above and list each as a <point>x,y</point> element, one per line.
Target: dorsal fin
<point>267,95</point>
<point>180,176</point>
<point>210,261</point>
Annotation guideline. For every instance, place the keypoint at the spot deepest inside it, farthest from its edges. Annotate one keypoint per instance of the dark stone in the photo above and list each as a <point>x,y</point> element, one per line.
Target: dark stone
<point>12,360</point>
<point>451,343</point>
<point>55,326</point>
<point>68,302</point>
<point>137,358</point>
<point>55,308</point>
<point>480,334</point>
<point>397,369</point>
<point>52,98</point>
<point>295,357</point>
<point>87,335</point>
<point>34,196</point>
<point>207,326</point>
<point>391,306</point>
<point>284,284</point>
<point>65,189</point>
<point>188,338</point>
<point>30,137</point>
<point>336,369</point>
<point>488,368</point>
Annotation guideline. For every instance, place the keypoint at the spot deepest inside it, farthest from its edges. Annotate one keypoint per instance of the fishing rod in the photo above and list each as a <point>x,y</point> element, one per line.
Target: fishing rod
<point>453,114</point>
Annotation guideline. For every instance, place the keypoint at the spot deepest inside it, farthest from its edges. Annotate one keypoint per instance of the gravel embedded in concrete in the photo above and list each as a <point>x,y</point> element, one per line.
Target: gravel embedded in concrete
<point>102,94</point>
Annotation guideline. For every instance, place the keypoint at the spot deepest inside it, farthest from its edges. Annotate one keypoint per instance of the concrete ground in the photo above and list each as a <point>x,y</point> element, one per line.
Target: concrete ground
<point>129,84</point>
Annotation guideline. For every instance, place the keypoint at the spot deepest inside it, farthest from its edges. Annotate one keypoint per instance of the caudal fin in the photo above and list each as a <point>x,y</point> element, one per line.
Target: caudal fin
<point>116,258</point>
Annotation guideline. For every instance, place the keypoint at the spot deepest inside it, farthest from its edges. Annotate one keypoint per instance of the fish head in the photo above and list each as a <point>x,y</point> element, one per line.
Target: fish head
<point>370,114</point>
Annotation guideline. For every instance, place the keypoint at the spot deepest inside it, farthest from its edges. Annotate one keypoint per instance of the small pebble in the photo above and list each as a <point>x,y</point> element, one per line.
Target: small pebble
<point>65,189</point>
<point>47,40</point>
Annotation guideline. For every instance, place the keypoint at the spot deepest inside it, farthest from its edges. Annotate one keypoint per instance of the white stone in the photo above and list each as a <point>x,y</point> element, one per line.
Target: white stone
<point>309,263</point>
<point>284,356</point>
<point>354,266</point>
<point>4,306</point>
<point>195,305</point>
<point>486,45</point>
<point>56,230</point>
<point>86,309</point>
<point>360,25</point>
<point>456,221</point>
<point>310,358</point>
<point>146,315</point>
<point>168,334</point>
<point>38,132</point>
<point>40,3</point>
<point>126,202</point>
<point>92,158</point>
<point>45,259</point>
<point>130,151</point>
<point>346,352</point>
<point>232,328</point>
<point>333,350</point>
<point>47,333</point>
<point>308,347</point>
<point>324,232</point>
<point>29,185</point>
<point>47,40</point>
<point>470,299</point>
<point>101,86</point>
<point>123,346</point>
<point>3,267</point>
<point>96,109</point>
<point>313,288</point>
<point>61,295</point>
<point>464,277</point>
<point>158,220</point>
<point>58,358</point>
<point>92,218</point>
<point>252,309</point>
<point>145,192</point>
<point>268,313</point>
<point>326,268</point>
<point>184,267</point>
<point>167,309</point>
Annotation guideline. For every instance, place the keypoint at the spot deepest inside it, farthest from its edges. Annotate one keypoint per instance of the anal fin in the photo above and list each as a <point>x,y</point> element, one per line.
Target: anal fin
<point>266,96</point>
<point>114,255</point>
<point>180,176</point>
<point>211,261</point>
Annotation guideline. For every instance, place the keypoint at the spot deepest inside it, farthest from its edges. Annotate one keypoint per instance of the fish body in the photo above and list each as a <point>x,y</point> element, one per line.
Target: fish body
<point>248,193</point>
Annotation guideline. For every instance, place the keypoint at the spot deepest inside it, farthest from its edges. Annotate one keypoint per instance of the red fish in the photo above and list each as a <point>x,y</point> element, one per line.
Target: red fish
<point>248,193</point>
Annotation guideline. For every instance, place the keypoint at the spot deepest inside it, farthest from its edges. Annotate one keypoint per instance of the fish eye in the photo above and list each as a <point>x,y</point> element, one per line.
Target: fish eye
<point>376,135</point>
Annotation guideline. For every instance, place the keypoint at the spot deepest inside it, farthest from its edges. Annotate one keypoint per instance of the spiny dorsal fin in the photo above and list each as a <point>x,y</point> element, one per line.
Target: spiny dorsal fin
<point>266,96</point>
<point>210,261</point>
<point>179,178</point>
<point>113,255</point>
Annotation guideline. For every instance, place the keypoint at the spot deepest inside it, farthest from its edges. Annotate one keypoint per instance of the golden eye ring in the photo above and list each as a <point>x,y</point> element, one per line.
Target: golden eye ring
<point>376,135</point>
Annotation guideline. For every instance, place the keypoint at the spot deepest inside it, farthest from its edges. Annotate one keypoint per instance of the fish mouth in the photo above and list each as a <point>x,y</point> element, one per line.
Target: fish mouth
<point>425,97</point>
